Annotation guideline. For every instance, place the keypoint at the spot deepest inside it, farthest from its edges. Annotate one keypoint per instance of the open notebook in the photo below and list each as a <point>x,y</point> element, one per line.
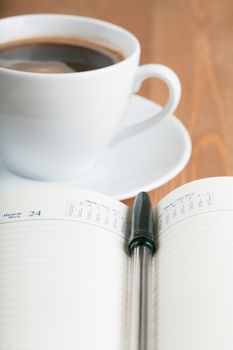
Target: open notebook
<point>64,269</point>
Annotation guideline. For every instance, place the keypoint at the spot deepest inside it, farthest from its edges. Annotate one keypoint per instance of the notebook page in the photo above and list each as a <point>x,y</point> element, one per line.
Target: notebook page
<point>63,270</point>
<point>193,268</point>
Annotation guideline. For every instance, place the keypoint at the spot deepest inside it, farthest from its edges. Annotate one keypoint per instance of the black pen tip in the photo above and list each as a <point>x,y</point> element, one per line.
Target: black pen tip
<point>143,223</point>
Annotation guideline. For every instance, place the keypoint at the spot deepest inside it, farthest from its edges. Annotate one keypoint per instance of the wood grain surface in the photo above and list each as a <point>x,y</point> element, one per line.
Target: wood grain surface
<point>193,37</point>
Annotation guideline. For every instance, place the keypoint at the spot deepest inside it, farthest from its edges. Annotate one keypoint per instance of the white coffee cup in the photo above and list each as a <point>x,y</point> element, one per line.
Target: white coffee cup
<point>56,126</point>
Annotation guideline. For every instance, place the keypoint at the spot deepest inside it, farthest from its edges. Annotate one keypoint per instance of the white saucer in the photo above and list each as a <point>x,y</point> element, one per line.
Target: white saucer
<point>140,163</point>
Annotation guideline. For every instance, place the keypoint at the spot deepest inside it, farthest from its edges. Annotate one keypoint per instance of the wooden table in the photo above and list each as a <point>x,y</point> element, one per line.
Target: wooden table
<point>193,37</point>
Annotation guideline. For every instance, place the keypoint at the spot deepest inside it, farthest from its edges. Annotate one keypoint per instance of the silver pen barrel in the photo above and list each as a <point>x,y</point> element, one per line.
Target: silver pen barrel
<point>140,315</point>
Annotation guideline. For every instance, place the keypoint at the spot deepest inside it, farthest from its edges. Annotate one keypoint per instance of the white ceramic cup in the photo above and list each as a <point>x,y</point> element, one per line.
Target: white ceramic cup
<point>56,126</point>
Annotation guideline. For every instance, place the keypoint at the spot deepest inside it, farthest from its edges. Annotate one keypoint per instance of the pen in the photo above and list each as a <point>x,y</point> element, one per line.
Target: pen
<point>141,248</point>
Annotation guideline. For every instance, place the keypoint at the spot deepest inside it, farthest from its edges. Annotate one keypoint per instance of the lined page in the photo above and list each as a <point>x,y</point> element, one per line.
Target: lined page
<point>63,270</point>
<point>193,268</point>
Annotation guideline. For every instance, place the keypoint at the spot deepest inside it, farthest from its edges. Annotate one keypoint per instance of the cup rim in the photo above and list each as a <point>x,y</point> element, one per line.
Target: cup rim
<point>113,26</point>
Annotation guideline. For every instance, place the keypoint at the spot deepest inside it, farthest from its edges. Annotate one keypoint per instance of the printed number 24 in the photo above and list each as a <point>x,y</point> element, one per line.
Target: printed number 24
<point>34,213</point>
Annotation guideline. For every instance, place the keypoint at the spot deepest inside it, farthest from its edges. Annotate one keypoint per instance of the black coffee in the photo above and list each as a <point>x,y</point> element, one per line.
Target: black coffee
<point>51,56</point>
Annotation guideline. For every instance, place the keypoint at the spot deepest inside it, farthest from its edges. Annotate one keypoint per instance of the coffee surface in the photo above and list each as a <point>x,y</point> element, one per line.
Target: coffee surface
<point>56,55</point>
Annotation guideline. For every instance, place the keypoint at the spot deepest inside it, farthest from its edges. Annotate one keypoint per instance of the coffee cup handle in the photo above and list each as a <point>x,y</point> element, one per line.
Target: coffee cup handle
<point>173,83</point>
